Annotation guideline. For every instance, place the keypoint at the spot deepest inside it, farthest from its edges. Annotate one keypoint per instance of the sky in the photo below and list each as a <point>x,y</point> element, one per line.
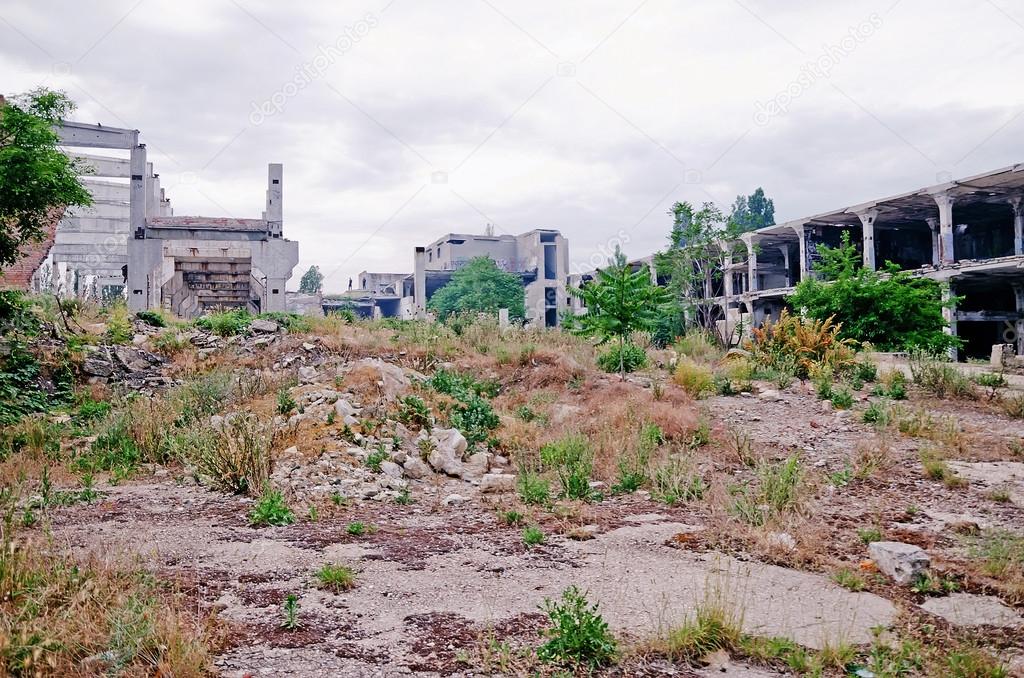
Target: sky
<point>400,120</point>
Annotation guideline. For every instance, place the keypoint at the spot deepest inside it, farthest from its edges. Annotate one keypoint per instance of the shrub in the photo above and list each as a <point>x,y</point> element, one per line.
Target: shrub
<point>412,411</point>
<point>271,509</point>
<point>713,628</point>
<point>940,378</point>
<point>533,536</point>
<point>699,346</point>
<point>869,535</point>
<point>779,491</point>
<point>532,488</point>
<point>226,323</point>
<point>697,380</point>
<point>358,529</point>
<point>842,399</point>
<point>572,460</point>
<point>236,458</point>
<point>336,577</point>
<point>876,413</point>
<point>579,635</point>
<point>512,517</point>
<point>119,325</point>
<point>285,402</point>
<point>801,344</point>
<point>152,318</point>
<point>632,358</point>
<point>170,342</point>
<point>865,370</point>
<point>677,481</point>
<point>1014,406</point>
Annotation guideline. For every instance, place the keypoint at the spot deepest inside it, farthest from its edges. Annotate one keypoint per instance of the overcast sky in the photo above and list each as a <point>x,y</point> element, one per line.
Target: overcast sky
<point>398,121</point>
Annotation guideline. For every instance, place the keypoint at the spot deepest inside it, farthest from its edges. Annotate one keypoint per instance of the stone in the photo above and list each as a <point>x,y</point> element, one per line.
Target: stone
<point>451,441</point>
<point>264,326</point>
<point>307,374</point>
<point>453,499</point>
<point>97,367</point>
<point>393,380</point>
<point>476,466</point>
<point>391,469</point>
<point>497,483</point>
<point>782,540</point>
<point>399,457</point>
<point>345,408</point>
<point>444,461</point>
<point>826,406</point>
<point>902,562</point>
<point>416,468</point>
<point>968,609</point>
<point>770,395</point>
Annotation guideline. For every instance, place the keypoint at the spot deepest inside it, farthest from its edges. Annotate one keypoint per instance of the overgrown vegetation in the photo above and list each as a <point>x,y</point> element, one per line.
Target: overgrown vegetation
<point>578,637</point>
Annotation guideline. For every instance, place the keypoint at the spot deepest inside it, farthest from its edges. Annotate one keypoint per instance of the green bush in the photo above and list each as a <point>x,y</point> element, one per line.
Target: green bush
<point>412,411</point>
<point>632,358</point>
<point>533,536</point>
<point>572,461</point>
<point>941,378</point>
<point>532,488</point>
<point>841,398</point>
<point>336,577</point>
<point>271,509</point>
<point>293,322</point>
<point>695,379</point>
<point>119,325</point>
<point>226,323</point>
<point>579,636</point>
<point>152,318</point>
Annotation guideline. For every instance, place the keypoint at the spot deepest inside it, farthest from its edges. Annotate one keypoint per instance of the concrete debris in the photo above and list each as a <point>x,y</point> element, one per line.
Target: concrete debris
<point>264,326</point>
<point>902,562</point>
<point>497,483</point>
<point>968,609</point>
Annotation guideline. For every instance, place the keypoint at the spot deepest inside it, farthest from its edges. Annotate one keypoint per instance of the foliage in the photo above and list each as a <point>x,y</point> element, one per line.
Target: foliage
<point>695,379</point>
<point>778,491</point>
<point>412,411</point>
<point>291,612</point>
<point>271,509</point>
<point>473,414</point>
<point>28,386</point>
<point>618,302</point>
<point>803,344</point>
<point>533,536</point>
<point>236,458</point>
<point>375,459</point>
<point>293,322</point>
<point>712,628</point>
<point>532,488</point>
<point>358,529</point>
<point>676,481</point>
<point>152,318</point>
<point>941,378</point>
<point>336,577</point>
<point>891,309</point>
<point>579,635</point>
<point>119,324</point>
<point>480,286</point>
<point>752,212</point>
<point>628,356</point>
<point>35,176</point>
<point>572,460</point>
<point>226,323</point>
<point>285,402</point>
<point>694,262</point>
<point>699,346</point>
<point>312,281</point>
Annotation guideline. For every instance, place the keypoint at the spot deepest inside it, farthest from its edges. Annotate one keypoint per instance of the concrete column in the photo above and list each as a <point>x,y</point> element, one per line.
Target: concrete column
<point>377,313</point>
<point>1018,328</point>
<point>274,299</point>
<point>503,323</point>
<point>867,220</point>
<point>1017,203</point>
<point>933,225</point>
<point>727,279</point>
<point>137,224</point>
<point>419,283</point>
<point>949,315</point>
<point>946,252</point>
<point>785,262</point>
<point>752,284</point>
<point>801,234</point>
<point>275,197</point>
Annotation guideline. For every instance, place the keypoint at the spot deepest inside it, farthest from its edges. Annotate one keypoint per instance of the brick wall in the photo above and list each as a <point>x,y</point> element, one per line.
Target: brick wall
<point>19,274</point>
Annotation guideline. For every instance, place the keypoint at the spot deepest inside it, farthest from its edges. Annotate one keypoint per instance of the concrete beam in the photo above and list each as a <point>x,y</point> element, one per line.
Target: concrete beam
<point>96,136</point>
<point>118,168</point>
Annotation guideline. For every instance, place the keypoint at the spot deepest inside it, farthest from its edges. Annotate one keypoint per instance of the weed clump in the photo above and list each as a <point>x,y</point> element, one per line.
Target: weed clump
<point>336,577</point>
<point>630,356</point>
<point>572,460</point>
<point>579,636</point>
<point>697,380</point>
<point>271,510</point>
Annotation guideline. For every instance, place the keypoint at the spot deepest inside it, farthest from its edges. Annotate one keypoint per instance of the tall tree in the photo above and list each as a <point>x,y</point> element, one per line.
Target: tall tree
<point>312,281</point>
<point>702,242</point>
<point>752,212</point>
<point>618,302</point>
<point>480,286</point>
<point>35,176</point>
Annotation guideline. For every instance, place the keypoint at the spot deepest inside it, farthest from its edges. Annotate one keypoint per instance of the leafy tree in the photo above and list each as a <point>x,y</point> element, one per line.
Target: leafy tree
<point>312,281</point>
<point>701,243</point>
<point>480,286</point>
<point>619,302</point>
<point>752,212</point>
<point>35,177</point>
<point>891,309</point>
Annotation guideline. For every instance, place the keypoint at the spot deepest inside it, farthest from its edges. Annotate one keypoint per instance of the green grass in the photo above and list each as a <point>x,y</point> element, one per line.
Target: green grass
<point>336,577</point>
<point>533,536</point>
<point>271,509</point>
<point>358,529</point>
<point>849,579</point>
<point>532,488</point>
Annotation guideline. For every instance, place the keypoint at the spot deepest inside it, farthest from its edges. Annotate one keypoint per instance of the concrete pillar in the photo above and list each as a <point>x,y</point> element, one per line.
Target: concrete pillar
<point>503,323</point>
<point>1018,328</point>
<point>752,284</point>
<point>785,262</point>
<point>377,313</point>
<point>946,252</point>
<point>805,268</point>
<point>933,226</point>
<point>949,315</point>
<point>867,220</point>
<point>1017,203</point>
<point>274,299</point>
<point>419,283</point>
<point>274,213</point>
<point>137,223</point>
<point>727,279</point>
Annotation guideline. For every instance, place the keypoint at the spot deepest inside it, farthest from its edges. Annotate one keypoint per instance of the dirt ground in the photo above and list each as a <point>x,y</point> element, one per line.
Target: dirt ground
<point>438,583</point>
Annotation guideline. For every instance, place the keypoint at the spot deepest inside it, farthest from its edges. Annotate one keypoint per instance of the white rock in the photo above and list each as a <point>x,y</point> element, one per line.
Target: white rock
<point>416,468</point>
<point>769,394</point>
<point>476,466</point>
<point>826,406</point>
<point>444,461</point>
<point>399,457</point>
<point>497,482</point>
<point>902,562</point>
<point>453,499</point>
<point>344,408</point>
<point>451,440</point>
<point>264,326</point>
<point>307,374</point>
<point>391,469</point>
<point>782,540</point>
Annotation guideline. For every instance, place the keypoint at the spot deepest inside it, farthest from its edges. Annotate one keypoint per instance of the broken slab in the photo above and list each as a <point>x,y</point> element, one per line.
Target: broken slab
<point>1008,474</point>
<point>902,562</point>
<point>968,609</point>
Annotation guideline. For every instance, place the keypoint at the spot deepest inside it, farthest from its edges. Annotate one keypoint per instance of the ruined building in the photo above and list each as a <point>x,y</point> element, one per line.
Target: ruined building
<point>540,258</point>
<point>968,233</point>
<point>129,243</point>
